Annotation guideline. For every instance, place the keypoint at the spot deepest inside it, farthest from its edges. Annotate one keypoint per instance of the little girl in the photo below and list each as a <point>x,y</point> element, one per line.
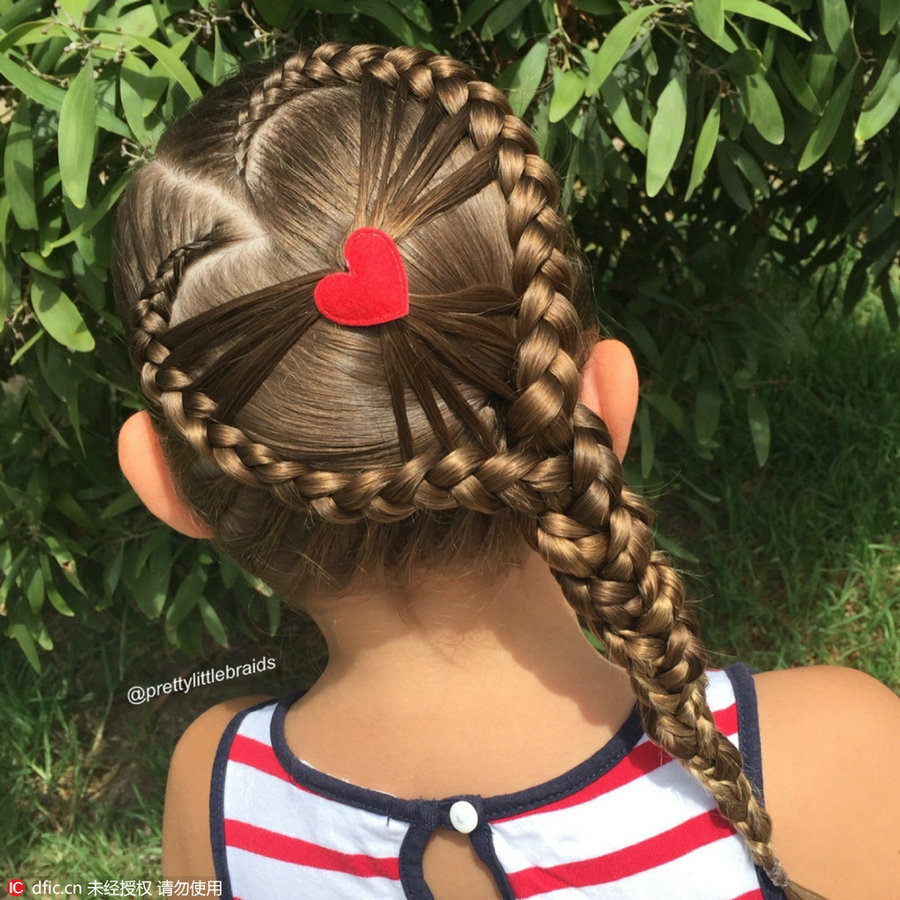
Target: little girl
<point>359,320</point>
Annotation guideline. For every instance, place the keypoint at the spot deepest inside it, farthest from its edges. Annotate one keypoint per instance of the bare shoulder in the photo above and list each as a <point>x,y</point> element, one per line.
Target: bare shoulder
<point>187,852</point>
<point>830,739</point>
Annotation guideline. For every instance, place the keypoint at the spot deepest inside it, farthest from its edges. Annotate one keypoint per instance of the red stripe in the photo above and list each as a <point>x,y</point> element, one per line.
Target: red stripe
<point>260,756</point>
<point>672,844</point>
<point>755,894</point>
<point>642,760</point>
<point>274,845</point>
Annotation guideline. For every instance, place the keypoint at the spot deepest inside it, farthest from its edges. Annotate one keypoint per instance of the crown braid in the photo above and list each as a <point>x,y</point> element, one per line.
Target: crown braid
<point>553,463</point>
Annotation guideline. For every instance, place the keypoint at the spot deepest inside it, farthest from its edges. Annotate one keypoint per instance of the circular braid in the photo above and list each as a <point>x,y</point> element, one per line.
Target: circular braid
<point>595,534</point>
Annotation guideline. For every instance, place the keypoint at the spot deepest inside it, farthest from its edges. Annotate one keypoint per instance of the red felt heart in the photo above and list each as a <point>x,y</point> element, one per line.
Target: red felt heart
<point>374,290</point>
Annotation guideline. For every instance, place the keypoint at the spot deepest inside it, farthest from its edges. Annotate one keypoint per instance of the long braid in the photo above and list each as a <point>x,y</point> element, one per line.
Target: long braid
<point>554,465</point>
<point>600,546</point>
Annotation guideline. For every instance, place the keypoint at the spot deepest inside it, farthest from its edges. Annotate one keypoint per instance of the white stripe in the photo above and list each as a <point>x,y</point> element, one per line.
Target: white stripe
<point>256,878</point>
<point>260,799</point>
<point>627,815</point>
<point>258,725</point>
<point>722,870</point>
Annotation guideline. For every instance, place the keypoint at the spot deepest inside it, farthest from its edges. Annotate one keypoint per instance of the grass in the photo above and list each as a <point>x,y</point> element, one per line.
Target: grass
<point>801,564</point>
<point>85,770</point>
<point>801,558</point>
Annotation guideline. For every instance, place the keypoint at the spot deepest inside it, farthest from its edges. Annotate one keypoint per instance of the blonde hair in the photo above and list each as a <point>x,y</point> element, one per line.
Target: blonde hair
<point>319,452</point>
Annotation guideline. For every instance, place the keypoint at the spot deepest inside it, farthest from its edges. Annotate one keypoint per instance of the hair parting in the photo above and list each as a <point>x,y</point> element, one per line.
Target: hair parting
<point>316,451</point>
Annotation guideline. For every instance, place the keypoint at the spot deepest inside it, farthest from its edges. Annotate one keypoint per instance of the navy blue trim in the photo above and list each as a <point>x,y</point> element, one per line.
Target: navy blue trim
<point>741,677</point>
<point>217,798</point>
<point>483,842</point>
<point>498,807</point>
<point>411,856</point>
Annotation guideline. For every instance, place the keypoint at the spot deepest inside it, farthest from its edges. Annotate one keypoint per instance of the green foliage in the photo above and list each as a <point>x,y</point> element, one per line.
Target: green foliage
<point>698,143</point>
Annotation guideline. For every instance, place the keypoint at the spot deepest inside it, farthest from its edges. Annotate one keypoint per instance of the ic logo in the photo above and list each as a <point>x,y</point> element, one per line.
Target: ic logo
<point>15,887</point>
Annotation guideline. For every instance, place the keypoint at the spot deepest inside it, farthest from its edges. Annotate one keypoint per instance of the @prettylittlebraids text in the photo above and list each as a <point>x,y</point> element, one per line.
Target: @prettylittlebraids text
<point>139,693</point>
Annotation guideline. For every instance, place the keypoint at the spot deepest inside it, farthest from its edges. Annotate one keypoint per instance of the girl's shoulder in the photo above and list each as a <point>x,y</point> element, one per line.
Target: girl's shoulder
<point>830,739</point>
<point>187,851</point>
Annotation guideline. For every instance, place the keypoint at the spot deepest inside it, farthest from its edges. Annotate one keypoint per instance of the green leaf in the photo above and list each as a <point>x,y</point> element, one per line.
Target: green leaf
<point>568,91</point>
<point>277,13</point>
<point>871,121</point>
<point>673,548</point>
<point>35,590</point>
<point>53,594</point>
<point>522,79</point>
<point>667,408</point>
<point>72,409</point>
<point>65,559</point>
<point>763,111</point>
<point>746,61</point>
<point>212,622</point>
<point>45,94</point>
<point>885,76</point>
<point>617,106</point>
<point>824,132</point>
<point>795,81</point>
<point>706,412</point>
<point>598,7</point>
<point>150,587</point>
<point>186,597</point>
<point>22,636</point>
<point>837,28</point>
<point>59,315</point>
<point>218,57</point>
<point>890,298</point>
<point>273,609</point>
<point>77,134</point>
<point>473,13</point>
<point>122,503</point>
<point>756,9</point>
<point>416,11</point>
<point>18,168</point>
<point>92,215</point>
<point>168,59</point>
<point>646,432</point>
<point>760,430</point>
<point>386,15</point>
<point>731,181</point>
<point>502,17</point>
<point>134,76</point>
<point>710,15</point>
<point>888,15</point>
<point>857,285</point>
<point>614,46</point>
<point>113,572</point>
<point>897,191</point>
<point>706,145</point>
<point>35,32</point>
<point>75,9</point>
<point>747,165</point>
<point>666,133</point>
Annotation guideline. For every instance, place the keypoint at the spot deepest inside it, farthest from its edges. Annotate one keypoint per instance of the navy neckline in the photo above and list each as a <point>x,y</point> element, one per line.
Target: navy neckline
<point>436,811</point>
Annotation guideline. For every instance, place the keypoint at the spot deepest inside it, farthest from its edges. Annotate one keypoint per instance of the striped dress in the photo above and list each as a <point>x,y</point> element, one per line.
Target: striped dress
<point>629,822</point>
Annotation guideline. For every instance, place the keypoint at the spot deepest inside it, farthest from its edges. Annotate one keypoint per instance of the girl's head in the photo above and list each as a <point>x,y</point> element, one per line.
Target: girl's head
<point>315,451</point>
<point>319,453</point>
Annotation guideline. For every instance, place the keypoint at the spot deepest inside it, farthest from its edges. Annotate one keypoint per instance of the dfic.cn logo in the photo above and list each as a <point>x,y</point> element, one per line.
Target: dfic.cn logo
<point>15,887</point>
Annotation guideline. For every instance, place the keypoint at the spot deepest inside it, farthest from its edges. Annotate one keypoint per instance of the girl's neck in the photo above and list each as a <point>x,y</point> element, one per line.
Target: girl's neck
<point>448,640</point>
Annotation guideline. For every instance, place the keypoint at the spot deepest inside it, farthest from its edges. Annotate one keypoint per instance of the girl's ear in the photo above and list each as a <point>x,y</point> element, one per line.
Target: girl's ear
<point>610,388</point>
<point>143,464</point>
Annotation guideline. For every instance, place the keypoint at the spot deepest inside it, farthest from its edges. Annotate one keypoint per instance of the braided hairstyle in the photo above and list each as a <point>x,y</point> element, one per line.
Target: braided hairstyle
<point>317,452</point>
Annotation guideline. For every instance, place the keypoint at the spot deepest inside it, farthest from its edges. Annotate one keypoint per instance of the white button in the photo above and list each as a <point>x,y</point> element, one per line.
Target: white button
<point>463,816</point>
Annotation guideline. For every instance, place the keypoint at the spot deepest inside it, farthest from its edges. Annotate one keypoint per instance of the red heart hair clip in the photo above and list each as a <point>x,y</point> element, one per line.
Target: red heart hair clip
<point>373,290</point>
